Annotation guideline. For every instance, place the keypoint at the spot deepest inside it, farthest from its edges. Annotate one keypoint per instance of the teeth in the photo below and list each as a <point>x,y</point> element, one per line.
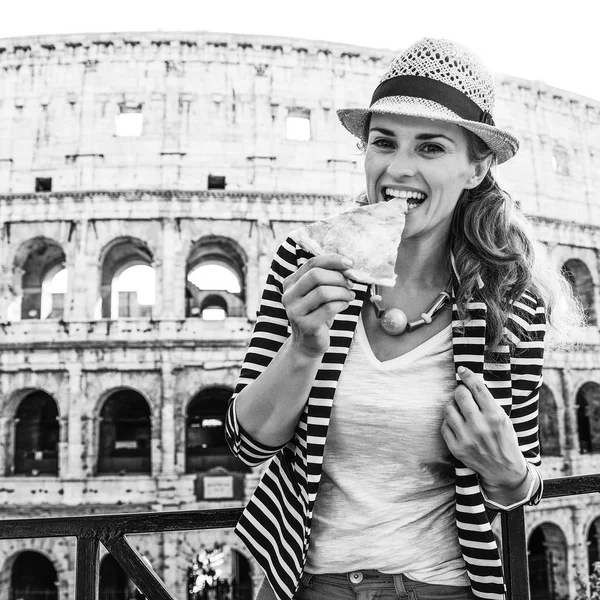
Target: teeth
<point>404,194</point>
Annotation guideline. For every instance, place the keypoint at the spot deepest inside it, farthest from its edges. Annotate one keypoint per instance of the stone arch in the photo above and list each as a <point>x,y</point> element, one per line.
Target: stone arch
<point>119,255</point>
<point>36,262</point>
<point>114,582</point>
<point>241,576</point>
<point>32,575</point>
<point>125,433</point>
<point>36,435</point>
<point>587,404</point>
<point>213,261</point>
<point>580,278</point>
<point>547,557</point>
<point>205,444</point>
<point>593,544</point>
<point>549,423</point>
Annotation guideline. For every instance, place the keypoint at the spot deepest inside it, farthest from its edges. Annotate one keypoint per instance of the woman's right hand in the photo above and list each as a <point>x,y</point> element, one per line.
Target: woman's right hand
<point>312,296</point>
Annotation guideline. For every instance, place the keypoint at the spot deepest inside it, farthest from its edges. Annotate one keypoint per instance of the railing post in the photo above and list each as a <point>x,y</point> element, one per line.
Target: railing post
<point>87,575</point>
<point>514,552</point>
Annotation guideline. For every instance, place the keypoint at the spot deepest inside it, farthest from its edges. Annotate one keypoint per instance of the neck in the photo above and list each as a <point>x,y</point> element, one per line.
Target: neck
<point>423,265</point>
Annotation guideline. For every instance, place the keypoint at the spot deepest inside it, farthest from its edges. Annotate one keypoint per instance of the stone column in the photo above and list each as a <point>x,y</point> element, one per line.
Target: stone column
<point>74,449</point>
<point>77,304</point>
<point>577,550</point>
<point>168,284</point>
<point>571,431</point>
<point>63,445</point>
<point>167,432</point>
<point>6,437</point>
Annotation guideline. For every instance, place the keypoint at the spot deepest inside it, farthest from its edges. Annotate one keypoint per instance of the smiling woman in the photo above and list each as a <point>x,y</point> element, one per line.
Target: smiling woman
<point>438,422</point>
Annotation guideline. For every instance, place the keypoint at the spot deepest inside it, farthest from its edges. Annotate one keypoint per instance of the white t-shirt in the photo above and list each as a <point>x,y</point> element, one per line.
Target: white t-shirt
<point>386,498</point>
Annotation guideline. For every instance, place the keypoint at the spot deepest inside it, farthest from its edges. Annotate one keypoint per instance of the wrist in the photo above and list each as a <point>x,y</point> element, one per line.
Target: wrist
<point>301,355</point>
<point>510,491</point>
<point>512,479</point>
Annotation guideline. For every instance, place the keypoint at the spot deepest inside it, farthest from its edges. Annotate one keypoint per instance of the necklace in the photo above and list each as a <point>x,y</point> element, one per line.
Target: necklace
<point>394,320</point>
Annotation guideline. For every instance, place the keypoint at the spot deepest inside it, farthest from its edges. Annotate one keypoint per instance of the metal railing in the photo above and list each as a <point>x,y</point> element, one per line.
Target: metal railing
<point>514,539</point>
<point>111,531</point>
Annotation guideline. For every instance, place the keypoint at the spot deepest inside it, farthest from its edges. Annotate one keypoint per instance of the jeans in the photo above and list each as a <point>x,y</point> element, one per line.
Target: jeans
<point>369,585</point>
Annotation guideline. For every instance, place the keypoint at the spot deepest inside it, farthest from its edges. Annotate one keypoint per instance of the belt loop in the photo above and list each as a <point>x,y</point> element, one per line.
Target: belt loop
<point>399,586</point>
<point>306,579</point>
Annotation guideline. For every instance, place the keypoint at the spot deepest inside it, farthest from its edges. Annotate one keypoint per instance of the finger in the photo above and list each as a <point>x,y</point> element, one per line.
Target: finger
<point>335,262</point>
<point>449,436</point>
<point>319,276</point>
<point>324,294</point>
<point>465,402</point>
<point>478,389</point>
<point>324,314</point>
<point>454,419</point>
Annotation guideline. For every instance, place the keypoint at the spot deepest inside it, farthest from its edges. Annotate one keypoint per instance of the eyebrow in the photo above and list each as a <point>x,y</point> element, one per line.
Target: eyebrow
<point>420,137</point>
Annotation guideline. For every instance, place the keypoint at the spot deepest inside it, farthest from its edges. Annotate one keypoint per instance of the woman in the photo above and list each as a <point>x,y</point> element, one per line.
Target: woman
<point>383,492</point>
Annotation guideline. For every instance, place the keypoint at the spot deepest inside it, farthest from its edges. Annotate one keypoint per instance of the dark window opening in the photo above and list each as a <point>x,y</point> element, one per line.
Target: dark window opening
<point>43,184</point>
<point>206,447</point>
<point>114,583</point>
<point>125,434</point>
<point>36,436</point>
<point>33,576</point>
<point>216,182</point>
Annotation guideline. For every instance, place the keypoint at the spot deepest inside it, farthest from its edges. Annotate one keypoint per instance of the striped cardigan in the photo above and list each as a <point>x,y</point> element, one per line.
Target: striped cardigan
<point>276,523</point>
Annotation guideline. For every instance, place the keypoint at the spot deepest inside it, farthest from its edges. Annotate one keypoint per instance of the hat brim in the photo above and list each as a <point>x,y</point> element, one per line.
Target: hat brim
<point>501,142</point>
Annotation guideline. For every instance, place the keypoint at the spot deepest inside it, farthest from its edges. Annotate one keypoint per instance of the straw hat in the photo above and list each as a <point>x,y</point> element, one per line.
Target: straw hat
<point>437,79</point>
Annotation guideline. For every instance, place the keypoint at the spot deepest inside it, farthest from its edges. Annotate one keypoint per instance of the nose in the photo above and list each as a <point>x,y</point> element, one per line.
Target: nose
<point>402,164</point>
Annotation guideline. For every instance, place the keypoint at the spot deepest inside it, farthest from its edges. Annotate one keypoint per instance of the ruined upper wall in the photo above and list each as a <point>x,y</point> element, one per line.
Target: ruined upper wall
<point>217,104</point>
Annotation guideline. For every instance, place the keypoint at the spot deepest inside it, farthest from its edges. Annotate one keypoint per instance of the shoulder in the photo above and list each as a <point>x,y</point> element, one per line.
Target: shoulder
<point>288,257</point>
<point>527,318</point>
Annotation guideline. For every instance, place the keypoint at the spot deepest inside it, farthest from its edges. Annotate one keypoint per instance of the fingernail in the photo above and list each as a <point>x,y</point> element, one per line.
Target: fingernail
<point>350,283</point>
<point>462,369</point>
<point>347,262</point>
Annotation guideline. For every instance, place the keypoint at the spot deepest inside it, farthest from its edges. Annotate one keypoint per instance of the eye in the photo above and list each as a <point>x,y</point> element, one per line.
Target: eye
<point>382,143</point>
<point>432,149</point>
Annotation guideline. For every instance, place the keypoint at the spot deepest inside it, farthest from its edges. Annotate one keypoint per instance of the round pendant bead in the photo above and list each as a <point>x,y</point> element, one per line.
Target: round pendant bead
<point>394,321</point>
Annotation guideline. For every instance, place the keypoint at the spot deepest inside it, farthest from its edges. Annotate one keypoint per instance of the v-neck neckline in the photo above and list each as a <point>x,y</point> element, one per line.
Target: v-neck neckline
<point>406,358</point>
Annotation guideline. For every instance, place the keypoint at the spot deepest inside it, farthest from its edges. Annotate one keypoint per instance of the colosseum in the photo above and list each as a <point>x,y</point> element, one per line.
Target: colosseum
<point>145,182</point>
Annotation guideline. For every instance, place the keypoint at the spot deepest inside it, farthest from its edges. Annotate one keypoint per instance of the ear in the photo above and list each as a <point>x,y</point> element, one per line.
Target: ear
<point>480,170</point>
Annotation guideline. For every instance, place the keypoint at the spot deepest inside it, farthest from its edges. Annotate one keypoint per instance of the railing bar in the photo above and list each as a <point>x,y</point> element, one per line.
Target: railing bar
<point>87,577</point>
<point>146,580</point>
<point>190,520</point>
<point>514,552</point>
<point>570,486</point>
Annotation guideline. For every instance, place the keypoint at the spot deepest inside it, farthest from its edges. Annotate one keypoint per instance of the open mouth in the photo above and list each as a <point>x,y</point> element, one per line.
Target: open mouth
<point>413,199</point>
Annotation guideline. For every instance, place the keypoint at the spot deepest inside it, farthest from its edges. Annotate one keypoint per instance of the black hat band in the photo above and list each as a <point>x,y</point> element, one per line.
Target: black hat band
<point>416,86</point>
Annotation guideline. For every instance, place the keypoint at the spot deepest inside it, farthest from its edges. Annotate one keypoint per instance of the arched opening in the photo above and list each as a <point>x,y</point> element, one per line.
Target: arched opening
<point>241,582</point>
<point>114,583</point>
<point>547,557</point>
<point>36,436</point>
<point>128,281</point>
<point>215,281</point>
<point>588,417</point>
<point>580,278</point>
<point>206,447</point>
<point>125,434</point>
<point>549,433</point>
<point>593,545</point>
<point>43,281</point>
<point>33,577</point>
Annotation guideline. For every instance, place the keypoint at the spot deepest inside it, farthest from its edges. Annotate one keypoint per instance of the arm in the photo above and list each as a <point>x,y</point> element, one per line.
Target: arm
<point>280,367</point>
<point>503,451</point>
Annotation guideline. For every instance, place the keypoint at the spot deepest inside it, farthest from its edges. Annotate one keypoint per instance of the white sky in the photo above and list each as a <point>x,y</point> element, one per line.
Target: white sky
<point>556,42</point>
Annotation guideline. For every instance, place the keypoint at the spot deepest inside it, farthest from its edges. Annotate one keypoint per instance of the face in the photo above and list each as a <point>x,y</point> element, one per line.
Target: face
<point>424,161</point>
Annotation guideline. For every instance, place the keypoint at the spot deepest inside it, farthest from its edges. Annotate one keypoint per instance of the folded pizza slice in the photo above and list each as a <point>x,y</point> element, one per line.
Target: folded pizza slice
<point>368,235</point>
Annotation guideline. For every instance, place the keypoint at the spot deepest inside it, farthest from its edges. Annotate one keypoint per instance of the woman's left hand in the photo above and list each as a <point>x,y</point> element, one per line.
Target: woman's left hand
<point>478,432</point>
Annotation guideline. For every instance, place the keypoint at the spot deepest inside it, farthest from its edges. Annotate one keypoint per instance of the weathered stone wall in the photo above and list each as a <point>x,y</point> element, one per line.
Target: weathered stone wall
<point>216,104</point>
